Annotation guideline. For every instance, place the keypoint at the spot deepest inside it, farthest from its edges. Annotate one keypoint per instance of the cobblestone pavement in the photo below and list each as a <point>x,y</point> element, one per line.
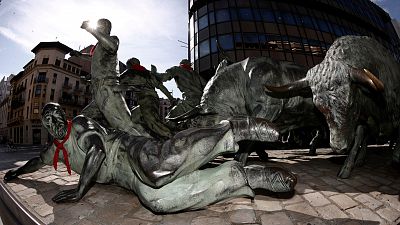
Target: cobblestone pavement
<point>370,196</point>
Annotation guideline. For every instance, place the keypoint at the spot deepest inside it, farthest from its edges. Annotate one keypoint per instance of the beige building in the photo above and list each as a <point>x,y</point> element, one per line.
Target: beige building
<point>5,88</point>
<point>49,77</point>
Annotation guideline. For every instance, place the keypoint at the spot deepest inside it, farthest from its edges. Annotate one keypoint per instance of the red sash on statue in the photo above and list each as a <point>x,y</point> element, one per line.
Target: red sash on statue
<point>60,145</point>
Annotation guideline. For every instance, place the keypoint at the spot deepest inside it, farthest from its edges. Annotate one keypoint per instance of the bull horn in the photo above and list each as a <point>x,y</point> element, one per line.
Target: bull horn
<point>190,114</point>
<point>367,79</point>
<point>296,88</point>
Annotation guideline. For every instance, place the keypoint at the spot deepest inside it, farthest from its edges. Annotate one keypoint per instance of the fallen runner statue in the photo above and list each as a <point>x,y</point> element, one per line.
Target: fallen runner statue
<point>357,88</point>
<point>165,175</point>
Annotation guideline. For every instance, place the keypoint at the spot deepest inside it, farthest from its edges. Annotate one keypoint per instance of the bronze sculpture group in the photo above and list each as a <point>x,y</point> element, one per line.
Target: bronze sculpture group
<point>108,143</point>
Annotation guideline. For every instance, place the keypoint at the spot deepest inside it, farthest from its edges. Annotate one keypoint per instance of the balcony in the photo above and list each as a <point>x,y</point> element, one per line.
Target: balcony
<point>41,80</point>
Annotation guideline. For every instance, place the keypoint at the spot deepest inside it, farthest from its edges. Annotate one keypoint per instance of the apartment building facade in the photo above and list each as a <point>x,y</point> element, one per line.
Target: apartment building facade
<point>49,77</point>
<point>5,88</point>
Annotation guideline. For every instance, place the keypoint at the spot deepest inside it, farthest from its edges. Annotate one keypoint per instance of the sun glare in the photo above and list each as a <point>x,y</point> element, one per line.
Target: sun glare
<point>93,24</point>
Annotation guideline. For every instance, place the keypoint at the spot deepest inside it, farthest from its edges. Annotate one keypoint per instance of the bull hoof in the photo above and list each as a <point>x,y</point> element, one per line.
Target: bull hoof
<point>344,173</point>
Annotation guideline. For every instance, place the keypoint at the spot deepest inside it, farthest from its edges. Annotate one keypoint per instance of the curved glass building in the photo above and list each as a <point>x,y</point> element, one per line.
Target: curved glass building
<point>290,30</point>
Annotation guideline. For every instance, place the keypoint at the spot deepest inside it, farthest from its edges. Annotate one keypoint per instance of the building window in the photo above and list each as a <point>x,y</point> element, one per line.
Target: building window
<point>203,22</point>
<point>38,90</point>
<point>65,66</point>
<point>211,17</point>
<point>69,67</point>
<point>51,94</point>
<point>250,40</point>
<point>222,15</point>
<point>226,41</point>
<point>58,62</point>
<point>204,48</point>
<point>77,85</point>
<point>54,78</point>
<point>74,113</point>
<point>45,61</point>
<point>245,14</point>
<point>29,96</point>
<point>66,81</point>
<point>36,111</point>
<point>213,44</point>
<point>41,77</point>
<point>267,15</point>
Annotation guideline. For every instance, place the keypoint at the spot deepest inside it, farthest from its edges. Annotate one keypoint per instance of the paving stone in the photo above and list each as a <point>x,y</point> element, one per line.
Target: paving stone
<point>209,221</point>
<point>329,192</point>
<point>366,188</point>
<point>389,214</point>
<point>316,199</point>
<point>381,180</point>
<point>145,214</point>
<point>277,218</point>
<point>26,193</point>
<point>303,188</point>
<point>360,212</point>
<point>330,212</point>
<point>303,208</point>
<point>44,210</point>
<point>294,199</point>
<point>88,222</point>
<point>388,190</point>
<point>331,181</point>
<point>314,221</point>
<point>266,205</point>
<point>347,189</point>
<point>242,216</point>
<point>48,178</point>
<point>60,181</point>
<point>183,218</point>
<point>368,201</point>
<point>343,201</point>
<point>352,182</point>
<point>18,188</point>
<point>392,200</point>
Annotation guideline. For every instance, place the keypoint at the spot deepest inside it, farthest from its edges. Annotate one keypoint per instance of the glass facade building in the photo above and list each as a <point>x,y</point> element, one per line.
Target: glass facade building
<point>289,30</point>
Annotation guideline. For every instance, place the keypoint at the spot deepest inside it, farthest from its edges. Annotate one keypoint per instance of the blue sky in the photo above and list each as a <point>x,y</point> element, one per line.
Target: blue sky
<point>148,30</point>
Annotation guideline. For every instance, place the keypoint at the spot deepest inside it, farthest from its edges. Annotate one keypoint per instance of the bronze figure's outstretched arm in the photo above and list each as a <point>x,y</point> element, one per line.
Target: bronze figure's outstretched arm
<point>31,166</point>
<point>94,158</point>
